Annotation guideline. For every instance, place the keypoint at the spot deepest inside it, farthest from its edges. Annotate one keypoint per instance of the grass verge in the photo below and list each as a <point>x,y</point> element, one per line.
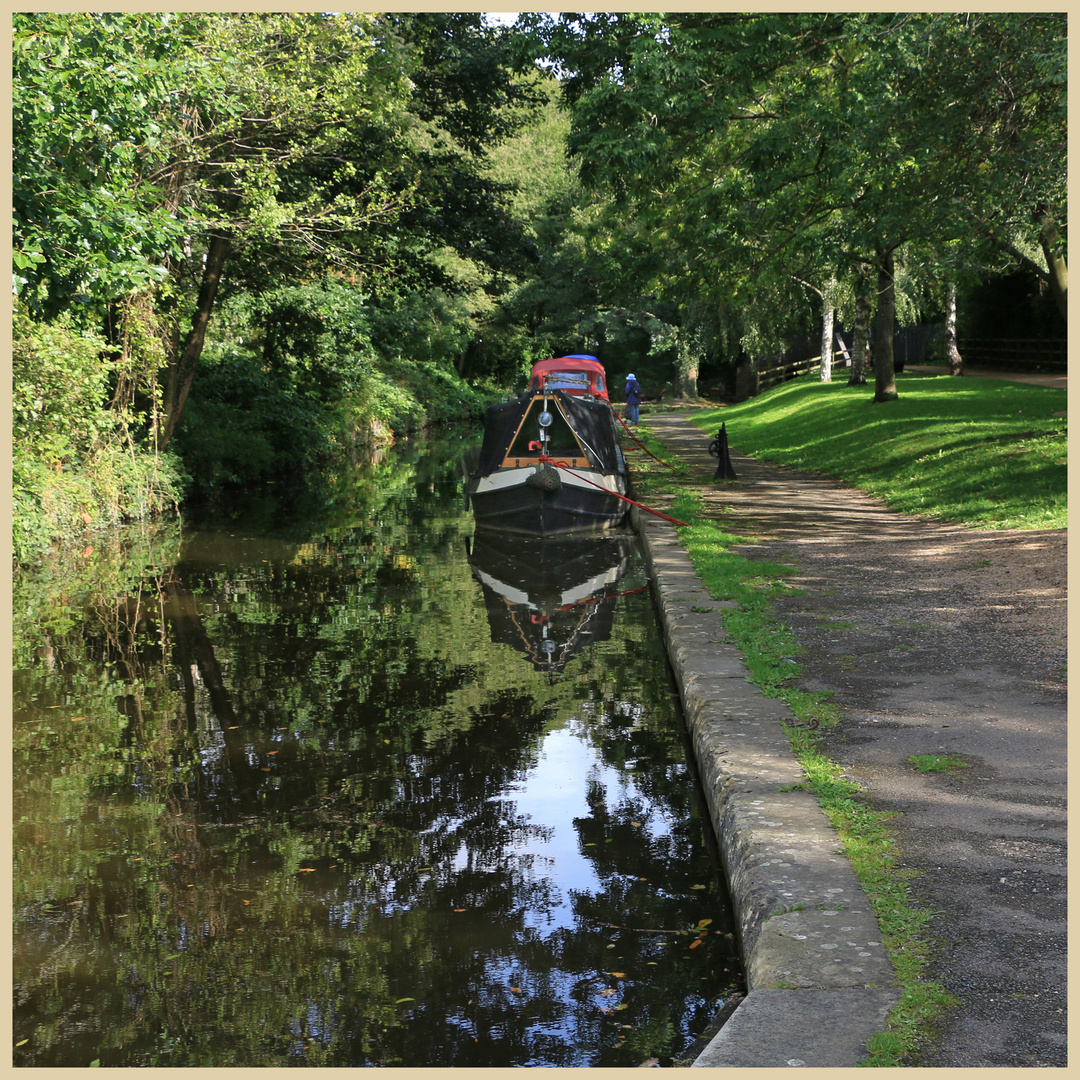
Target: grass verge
<point>770,652</point>
<point>987,453</point>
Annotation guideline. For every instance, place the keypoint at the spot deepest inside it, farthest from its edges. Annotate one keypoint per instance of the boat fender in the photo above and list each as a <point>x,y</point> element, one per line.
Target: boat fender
<point>546,479</point>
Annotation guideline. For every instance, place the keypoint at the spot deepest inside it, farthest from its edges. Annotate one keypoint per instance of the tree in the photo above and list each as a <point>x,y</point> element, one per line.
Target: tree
<point>807,143</point>
<point>94,102</point>
<point>860,335</point>
<point>299,144</point>
<point>952,353</point>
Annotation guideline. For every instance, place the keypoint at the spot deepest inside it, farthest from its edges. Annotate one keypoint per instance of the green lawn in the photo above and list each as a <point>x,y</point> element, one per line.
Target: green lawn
<point>984,452</point>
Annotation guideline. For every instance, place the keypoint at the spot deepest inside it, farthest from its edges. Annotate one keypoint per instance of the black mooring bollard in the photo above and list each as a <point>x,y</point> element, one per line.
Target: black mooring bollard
<point>719,448</point>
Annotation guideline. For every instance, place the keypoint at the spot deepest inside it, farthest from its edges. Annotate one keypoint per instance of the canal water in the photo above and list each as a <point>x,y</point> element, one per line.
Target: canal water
<point>325,780</point>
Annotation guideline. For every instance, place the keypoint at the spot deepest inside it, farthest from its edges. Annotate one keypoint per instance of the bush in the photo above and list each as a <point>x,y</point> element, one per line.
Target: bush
<point>243,424</point>
<point>74,463</point>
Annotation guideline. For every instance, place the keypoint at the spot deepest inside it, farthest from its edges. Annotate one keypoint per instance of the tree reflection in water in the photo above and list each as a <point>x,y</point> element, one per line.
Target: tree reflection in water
<point>284,797</point>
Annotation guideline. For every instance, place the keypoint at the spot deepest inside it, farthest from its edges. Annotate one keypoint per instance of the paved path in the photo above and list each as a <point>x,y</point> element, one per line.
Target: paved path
<point>933,641</point>
<point>1059,381</point>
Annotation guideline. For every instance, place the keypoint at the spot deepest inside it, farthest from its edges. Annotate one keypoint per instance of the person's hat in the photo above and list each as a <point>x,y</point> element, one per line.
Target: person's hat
<point>629,376</point>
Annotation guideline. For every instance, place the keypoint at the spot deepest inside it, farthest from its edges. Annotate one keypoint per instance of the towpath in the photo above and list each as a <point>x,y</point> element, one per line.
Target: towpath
<point>936,639</point>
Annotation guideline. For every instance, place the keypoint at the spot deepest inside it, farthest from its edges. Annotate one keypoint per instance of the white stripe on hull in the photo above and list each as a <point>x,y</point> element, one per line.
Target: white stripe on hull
<point>508,478</point>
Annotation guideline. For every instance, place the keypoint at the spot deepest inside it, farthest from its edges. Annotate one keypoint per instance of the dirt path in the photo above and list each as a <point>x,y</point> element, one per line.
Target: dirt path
<point>937,639</point>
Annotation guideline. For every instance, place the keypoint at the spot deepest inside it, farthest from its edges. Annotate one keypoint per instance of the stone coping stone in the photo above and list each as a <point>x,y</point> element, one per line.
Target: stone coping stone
<point>799,1028</point>
<point>809,939</point>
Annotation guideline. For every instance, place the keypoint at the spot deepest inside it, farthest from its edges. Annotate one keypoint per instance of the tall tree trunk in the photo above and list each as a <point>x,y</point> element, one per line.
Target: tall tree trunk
<point>827,320</point>
<point>956,363</point>
<point>884,373</point>
<point>183,363</point>
<point>1054,250</point>
<point>686,365</point>
<point>864,310</point>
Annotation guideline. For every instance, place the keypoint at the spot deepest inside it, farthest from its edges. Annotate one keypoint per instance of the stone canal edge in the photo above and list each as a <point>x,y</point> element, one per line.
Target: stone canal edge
<point>819,978</point>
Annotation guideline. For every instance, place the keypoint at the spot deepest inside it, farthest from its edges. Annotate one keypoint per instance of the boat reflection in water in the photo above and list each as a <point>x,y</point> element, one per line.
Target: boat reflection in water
<point>551,597</point>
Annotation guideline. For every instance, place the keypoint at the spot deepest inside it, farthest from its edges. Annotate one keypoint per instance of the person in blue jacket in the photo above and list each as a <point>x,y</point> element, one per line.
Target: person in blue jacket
<point>633,399</point>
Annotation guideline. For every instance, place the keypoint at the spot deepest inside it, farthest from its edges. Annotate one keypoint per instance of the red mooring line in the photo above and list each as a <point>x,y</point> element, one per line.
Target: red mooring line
<point>640,443</point>
<point>641,506</point>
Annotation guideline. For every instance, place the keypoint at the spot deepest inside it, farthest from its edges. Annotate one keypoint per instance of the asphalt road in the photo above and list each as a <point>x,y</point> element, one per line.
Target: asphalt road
<point>937,639</point>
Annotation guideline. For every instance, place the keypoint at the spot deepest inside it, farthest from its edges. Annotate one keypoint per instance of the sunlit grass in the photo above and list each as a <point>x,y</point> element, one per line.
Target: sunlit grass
<point>983,452</point>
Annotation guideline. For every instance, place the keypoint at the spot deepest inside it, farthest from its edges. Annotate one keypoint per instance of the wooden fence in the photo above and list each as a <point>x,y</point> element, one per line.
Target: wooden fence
<point>912,345</point>
<point>1030,354</point>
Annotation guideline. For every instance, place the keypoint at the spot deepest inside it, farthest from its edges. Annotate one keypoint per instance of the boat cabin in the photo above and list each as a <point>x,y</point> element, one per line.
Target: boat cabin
<point>579,375</point>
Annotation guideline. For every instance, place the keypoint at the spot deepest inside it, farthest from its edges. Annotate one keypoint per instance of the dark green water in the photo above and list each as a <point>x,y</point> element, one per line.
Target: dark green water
<point>325,782</point>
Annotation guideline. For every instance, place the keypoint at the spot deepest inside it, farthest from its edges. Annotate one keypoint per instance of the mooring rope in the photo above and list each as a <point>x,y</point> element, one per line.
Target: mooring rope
<point>639,442</point>
<point>641,506</point>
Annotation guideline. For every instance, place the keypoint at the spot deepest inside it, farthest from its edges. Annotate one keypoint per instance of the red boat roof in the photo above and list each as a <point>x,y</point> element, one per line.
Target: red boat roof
<point>579,362</point>
<point>575,375</point>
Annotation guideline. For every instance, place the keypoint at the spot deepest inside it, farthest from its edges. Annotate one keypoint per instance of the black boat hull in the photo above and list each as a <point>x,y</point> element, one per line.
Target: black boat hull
<point>518,507</point>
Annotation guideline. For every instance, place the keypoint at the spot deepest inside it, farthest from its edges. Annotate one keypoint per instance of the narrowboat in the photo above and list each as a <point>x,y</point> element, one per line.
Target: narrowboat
<point>550,463</point>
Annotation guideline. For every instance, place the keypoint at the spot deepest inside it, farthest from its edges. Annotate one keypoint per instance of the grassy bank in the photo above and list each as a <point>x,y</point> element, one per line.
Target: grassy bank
<point>983,452</point>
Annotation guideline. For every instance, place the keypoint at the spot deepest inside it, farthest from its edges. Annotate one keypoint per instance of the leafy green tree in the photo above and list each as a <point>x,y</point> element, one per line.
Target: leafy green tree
<point>807,144</point>
<point>95,107</point>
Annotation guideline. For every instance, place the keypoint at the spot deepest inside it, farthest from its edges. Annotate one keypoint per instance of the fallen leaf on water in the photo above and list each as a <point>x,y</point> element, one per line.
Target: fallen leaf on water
<point>699,886</point>
<point>22,1042</point>
<point>608,991</point>
<point>74,718</point>
<point>400,1000</point>
<point>459,909</point>
<point>704,922</point>
<point>616,974</point>
<point>516,989</point>
<point>306,870</point>
<point>618,1007</point>
<point>695,943</point>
